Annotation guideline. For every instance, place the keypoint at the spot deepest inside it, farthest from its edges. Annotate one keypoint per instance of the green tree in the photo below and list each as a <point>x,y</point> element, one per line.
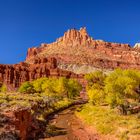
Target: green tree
<point>73,88</point>
<point>97,77</point>
<point>95,87</point>
<point>37,84</point>
<point>62,87</point>
<point>26,87</point>
<point>53,87</point>
<point>120,86</point>
<point>56,87</point>
<point>96,96</point>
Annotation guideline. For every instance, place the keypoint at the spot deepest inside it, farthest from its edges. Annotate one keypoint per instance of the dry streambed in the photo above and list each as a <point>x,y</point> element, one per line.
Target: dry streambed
<point>66,126</point>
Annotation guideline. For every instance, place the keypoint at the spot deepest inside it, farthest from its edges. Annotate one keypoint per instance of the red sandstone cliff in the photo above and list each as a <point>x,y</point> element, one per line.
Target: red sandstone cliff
<point>77,47</point>
<point>76,51</point>
<point>14,75</point>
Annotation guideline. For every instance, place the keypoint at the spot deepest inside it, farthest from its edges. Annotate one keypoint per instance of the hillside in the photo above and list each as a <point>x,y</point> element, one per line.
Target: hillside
<point>53,78</point>
<point>72,55</point>
<point>78,52</point>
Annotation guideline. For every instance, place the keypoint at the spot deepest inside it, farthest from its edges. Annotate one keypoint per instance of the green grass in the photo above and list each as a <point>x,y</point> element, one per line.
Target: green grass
<point>108,121</point>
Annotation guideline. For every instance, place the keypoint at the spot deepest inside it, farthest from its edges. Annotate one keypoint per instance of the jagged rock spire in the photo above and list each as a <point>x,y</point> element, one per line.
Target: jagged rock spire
<point>73,33</point>
<point>75,38</point>
<point>83,31</point>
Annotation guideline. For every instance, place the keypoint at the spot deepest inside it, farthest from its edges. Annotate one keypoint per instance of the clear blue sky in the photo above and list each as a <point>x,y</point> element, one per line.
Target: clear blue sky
<point>27,23</point>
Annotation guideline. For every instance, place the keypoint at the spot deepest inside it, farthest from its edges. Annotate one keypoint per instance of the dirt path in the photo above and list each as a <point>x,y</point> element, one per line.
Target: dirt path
<point>66,126</point>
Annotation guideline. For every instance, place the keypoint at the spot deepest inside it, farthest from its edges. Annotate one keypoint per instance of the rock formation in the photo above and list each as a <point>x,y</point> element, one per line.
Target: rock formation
<point>14,75</point>
<point>75,52</point>
<point>77,47</point>
<point>19,123</point>
<point>137,45</point>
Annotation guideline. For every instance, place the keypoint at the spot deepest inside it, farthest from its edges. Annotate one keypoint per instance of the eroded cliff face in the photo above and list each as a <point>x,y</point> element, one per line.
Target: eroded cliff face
<point>75,52</point>
<point>77,47</point>
<point>14,75</point>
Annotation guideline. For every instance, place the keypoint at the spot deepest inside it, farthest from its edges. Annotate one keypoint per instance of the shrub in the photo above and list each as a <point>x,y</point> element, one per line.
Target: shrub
<point>26,87</point>
<point>3,88</point>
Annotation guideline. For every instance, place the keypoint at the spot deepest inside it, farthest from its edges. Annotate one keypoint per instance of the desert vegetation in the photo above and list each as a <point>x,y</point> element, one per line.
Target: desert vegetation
<point>113,106</point>
<point>120,89</point>
<point>39,98</point>
<point>114,103</point>
<point>52,87</point>
<point>3,87</point>
<point>44,90</point>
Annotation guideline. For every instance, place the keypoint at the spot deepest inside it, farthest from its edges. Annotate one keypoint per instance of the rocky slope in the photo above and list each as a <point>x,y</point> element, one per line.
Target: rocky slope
<point>18,124</point>
<point>70,56</point>
<point>80,53</point>
<point>14,75</point>
<point>75,52</point>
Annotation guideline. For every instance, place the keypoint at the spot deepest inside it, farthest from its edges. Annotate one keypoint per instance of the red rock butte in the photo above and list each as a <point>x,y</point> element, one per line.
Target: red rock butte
<point>77,47</point>
<point>72,55</point>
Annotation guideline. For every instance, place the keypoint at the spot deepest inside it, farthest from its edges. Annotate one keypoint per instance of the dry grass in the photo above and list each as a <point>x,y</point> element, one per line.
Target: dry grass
<point>108,122</point>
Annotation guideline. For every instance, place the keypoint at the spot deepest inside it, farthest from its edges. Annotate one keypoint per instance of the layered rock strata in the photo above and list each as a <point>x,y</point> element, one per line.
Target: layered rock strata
<point>77,47</point>
<point>76,51</point>
<point>14,75</point>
